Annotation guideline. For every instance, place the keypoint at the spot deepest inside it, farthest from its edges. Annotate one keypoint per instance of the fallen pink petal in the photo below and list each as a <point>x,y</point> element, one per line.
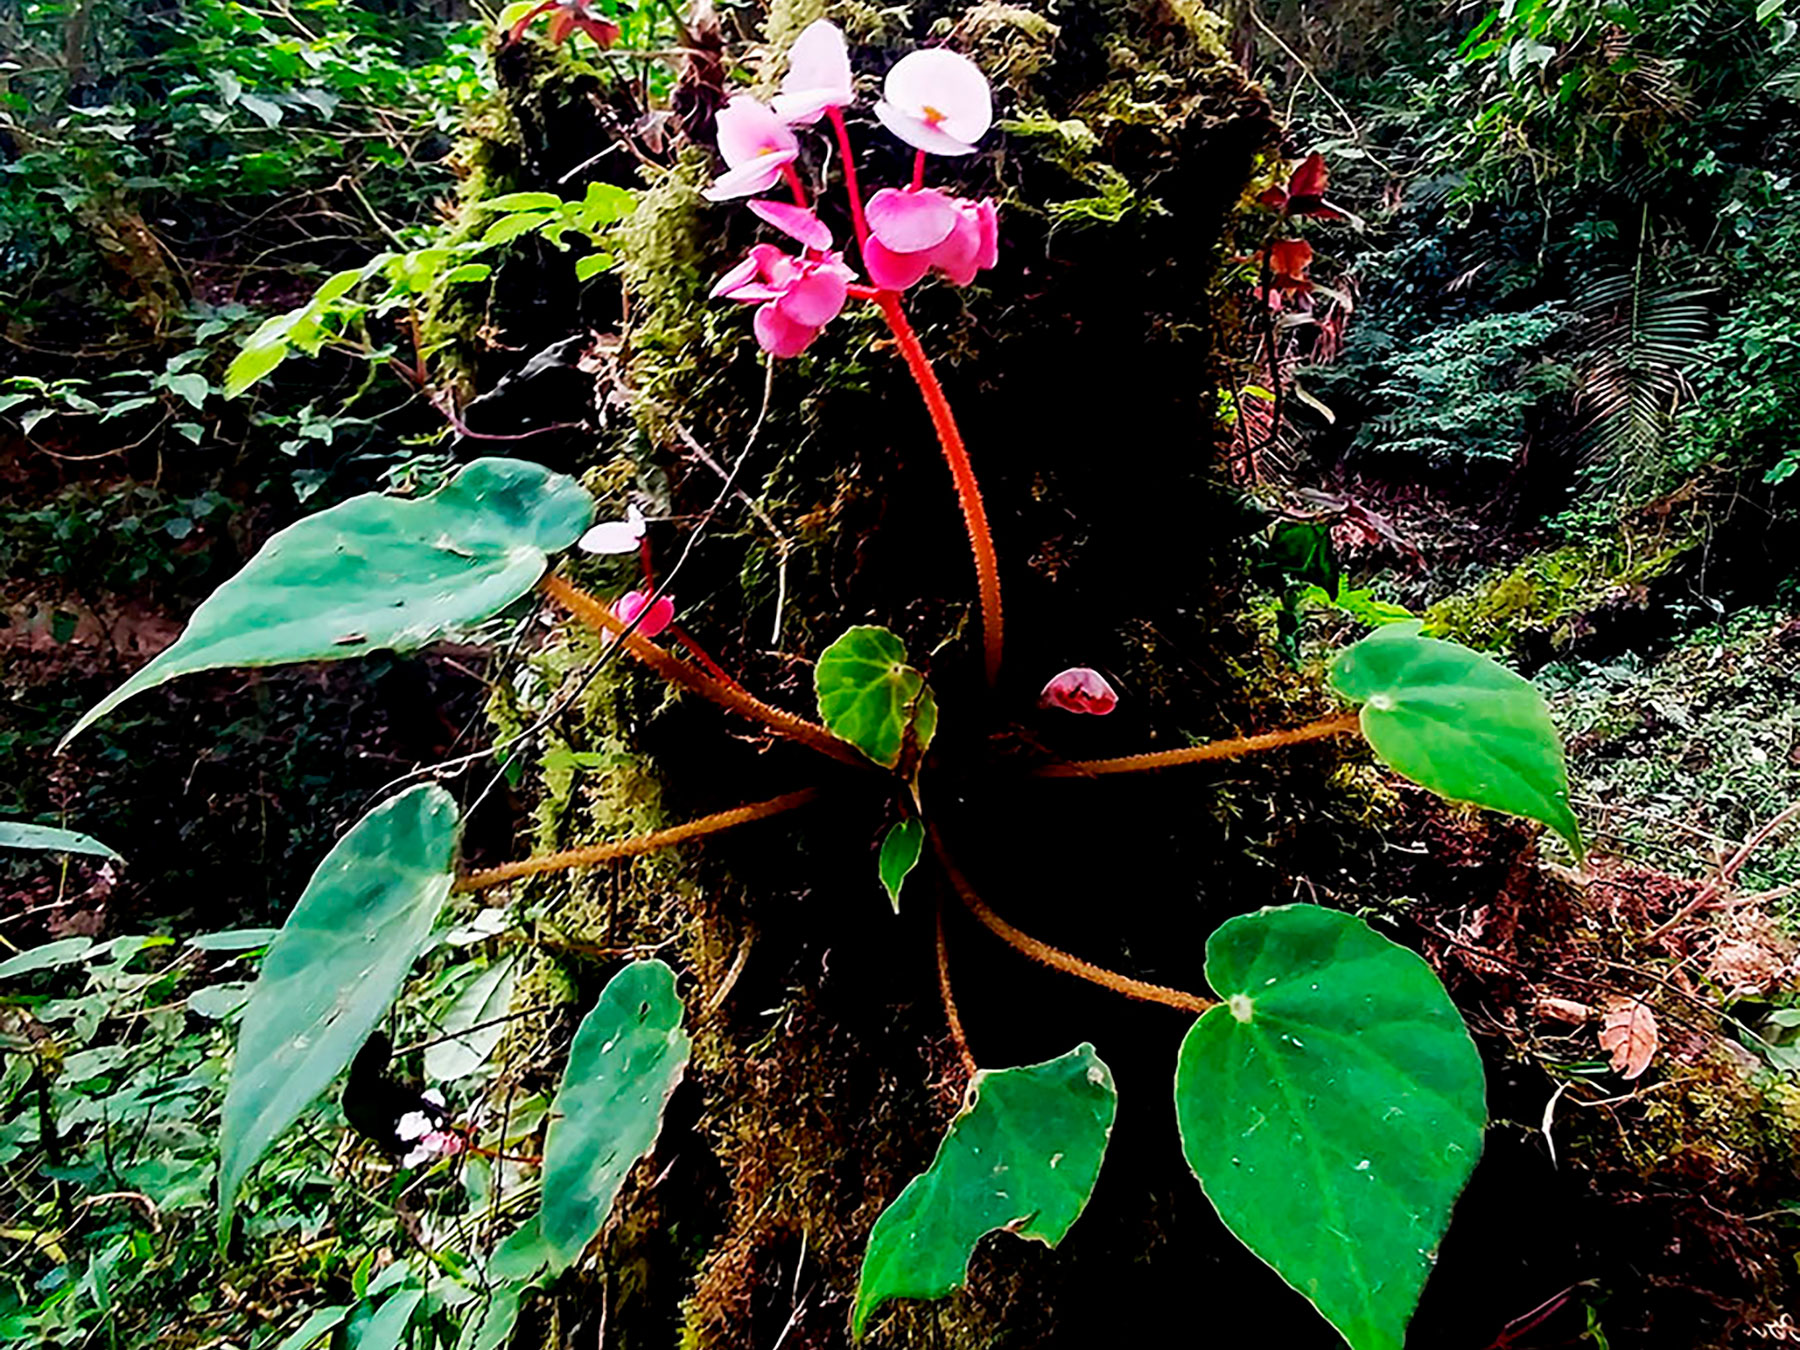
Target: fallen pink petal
<point>937,101</point>
<point>1080,689</point>
<point>818,75</point>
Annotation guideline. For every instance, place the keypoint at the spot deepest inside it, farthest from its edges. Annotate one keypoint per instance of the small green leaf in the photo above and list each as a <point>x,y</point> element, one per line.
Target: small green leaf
<point>253,364</point>
<point>592,265</point>
<point>1459,723</point>
<point>379,573</point>
<point>900,849</point>
<point>1022,1157</point>
<point>1332,1107</point>
<point>49,839</point>
<point>473,1026</point>
<point>522,201</point>
<point>320,1321</point>
<point>511,227</point>
<point>333,971</point>
<point>628,1055</point>
<point>870,697</point>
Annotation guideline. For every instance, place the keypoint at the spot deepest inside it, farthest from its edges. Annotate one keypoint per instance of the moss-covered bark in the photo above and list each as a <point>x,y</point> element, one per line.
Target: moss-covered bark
<point>1082,369</point>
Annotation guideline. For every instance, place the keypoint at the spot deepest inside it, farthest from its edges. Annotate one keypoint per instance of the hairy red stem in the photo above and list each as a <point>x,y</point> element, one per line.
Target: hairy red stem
<point>968,491</point>
<point>631,848</point>
<point>1341,725</point>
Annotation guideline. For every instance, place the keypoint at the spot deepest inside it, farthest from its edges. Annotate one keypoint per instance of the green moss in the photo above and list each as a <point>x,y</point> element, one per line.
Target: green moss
<point>1555,592</point>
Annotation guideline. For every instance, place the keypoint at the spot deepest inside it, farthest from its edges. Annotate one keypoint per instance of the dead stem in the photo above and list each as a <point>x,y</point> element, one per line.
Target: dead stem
<point>1056,958</point>
<point>640,844</point>
<point>594,612</point>
<point>1342,724</point>
<point>957,1035</point>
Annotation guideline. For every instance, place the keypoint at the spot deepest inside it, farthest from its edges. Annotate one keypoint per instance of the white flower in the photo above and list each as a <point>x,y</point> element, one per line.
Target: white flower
<point>615,536</point>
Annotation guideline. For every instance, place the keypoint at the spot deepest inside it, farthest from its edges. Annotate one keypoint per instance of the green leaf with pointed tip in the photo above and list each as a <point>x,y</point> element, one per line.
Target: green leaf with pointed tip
<point>334,970</point>
<point>1459,723</point>
<point>1022,1157</point>
<point>871,698</point>
<point>48,839</point>
<point>1332,1107</point>
<point>900,849</point>
<point>628,1055</point>
<point>379,572</point>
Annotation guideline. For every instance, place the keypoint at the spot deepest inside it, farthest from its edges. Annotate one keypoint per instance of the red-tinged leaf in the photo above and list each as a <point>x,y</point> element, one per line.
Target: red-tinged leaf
<point>1275,197</point>
<point>602,32</point>
<point>526,20</point>
<point>1288,261</point>
<point>1306,189</point>
<point>1630,1036</point>
<point>561,24</point>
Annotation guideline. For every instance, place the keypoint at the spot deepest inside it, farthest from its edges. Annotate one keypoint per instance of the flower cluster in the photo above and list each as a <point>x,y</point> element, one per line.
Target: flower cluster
<point>424,1131</point>
<point>936,101</point>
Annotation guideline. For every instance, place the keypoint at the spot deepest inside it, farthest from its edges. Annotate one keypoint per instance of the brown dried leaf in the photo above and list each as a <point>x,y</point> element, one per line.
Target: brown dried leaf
<point>1630,1035</point>
<point>1563,1009</point>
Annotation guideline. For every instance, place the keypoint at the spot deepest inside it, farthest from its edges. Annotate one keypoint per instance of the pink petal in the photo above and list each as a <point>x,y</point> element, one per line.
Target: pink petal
<point>918,134</point>
<point>908,221</point>
<point>958,255</point>
<point>893,271</point>
<point>746,180</point>
<point>1080,690</point>
<point>749,130</point>
<point>987,217</point>
<point>815,299</point>
<point>796,222</point>
<point>780,335</point>
<point>943,89</point>
<point>741,275</point>
<point>631,604</point>
<point>818,75</point>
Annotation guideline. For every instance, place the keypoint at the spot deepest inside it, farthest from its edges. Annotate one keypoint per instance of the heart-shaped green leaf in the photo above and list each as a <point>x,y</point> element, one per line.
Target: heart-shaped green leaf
<point>379,572</point>
<point>1332,1107</point>
<point>629,1054</point>
<point>871,698</point>
<point>333,971</point>
<point>1023,1156</point>
<point>1459,723</point>
<point>900,849</point>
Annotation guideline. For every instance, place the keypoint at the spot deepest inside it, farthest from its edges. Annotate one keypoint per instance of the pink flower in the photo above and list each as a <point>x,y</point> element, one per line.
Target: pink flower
<point>1080,690</point>
<point>938,101</point>
<point>657,616</point>
<point>798,296</point>
<point>818,75</point>
<point>756,146</point>
<point>914,231</point>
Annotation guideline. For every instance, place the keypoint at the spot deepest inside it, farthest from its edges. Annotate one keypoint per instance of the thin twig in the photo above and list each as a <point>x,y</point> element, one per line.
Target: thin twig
<point>1709,893</point>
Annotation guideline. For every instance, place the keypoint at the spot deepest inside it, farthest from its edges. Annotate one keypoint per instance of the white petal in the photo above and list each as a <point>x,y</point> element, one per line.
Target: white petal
<point>413,1125</point>
<point>947,84</point>
<point>917,134</point>
<point>612,537</point>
